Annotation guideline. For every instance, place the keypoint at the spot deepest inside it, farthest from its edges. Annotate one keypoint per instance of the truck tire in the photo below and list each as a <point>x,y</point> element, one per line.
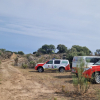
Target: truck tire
<point>40,69</point>
<point>97,78</point>
<point>61,69</point>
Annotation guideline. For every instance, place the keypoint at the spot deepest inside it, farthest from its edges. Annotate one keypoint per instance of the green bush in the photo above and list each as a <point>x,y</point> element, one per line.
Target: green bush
<point>81,84</point>
<point>37,54</point>
<point>24,66</point>
<point>32,64</point>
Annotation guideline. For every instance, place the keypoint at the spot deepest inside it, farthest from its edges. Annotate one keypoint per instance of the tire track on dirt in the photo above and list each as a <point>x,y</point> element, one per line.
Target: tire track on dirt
<point>15,86</point>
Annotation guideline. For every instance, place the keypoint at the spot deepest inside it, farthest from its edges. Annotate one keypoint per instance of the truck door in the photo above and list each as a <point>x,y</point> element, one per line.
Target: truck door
<point>56,64</point>
<point>48,65</point>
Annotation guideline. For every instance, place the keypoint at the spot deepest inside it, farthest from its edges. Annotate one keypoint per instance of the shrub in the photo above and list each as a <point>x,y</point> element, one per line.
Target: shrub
<point>24,66</point>
<point>32,64</point>
<point>40,60</point>
<point>37,54</point>
<point>3,50</point>
<point>81,84</point>
<point>34,52</point>
<point>15,52</point>
<point>16,61</point>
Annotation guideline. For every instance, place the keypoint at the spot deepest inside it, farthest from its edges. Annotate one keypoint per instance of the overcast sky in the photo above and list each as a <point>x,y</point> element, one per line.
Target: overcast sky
<point>26,25</point>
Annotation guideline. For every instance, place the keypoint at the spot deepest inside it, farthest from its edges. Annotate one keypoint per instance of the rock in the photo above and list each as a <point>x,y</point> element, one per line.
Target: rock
<point>30,58</point>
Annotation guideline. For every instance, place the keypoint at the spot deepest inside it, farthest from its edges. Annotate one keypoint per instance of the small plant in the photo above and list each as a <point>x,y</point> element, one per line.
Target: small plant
<point>81,84</point>
<point>37,54</point>
<point>63,88</point>
<point>32,64</point>
<point>24,66</point>
<point>55,98</point>
<point>16,61</point>
<point>40,60</point>
<point>98,94</point>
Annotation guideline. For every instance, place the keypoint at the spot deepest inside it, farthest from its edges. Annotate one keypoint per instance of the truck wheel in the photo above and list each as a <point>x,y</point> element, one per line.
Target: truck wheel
<point>61,69</point>
<point>40,69</point>
<point>97,78</point>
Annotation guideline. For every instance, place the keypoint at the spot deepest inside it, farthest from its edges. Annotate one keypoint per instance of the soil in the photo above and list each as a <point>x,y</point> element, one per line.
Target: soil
<point>28,84</point>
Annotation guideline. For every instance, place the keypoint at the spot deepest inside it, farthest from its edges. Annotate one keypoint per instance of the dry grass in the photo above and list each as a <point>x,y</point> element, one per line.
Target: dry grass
<point>61,83</point>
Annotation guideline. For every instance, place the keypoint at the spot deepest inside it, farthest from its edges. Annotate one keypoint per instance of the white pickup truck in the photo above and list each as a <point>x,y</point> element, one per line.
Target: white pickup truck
<point>59,64</point>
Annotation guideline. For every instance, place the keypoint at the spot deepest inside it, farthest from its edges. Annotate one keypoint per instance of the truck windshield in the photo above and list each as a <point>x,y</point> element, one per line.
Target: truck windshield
<point>89,59</point>
<point>97,63</point>
<point>92,60</point>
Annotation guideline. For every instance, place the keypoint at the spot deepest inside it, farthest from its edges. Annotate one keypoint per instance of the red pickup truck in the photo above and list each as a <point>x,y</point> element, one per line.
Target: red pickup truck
<point>93,72</point>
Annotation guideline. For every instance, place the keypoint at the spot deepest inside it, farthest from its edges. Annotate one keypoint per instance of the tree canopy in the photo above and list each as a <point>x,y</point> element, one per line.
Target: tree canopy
<point>62,48</point>
<point>47,49</point>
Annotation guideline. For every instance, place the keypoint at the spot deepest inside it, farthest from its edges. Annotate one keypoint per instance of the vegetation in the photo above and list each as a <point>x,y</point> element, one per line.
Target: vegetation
<point>47,49</point>
<point>62,48</point>
<point>21,52</point>
<point>97,53</point>
<point>38,54</point>
<point>32,64</point>
<point>3,50</point>
<point>81,84</point>
<point>16,61</point>
<point>24,66</point>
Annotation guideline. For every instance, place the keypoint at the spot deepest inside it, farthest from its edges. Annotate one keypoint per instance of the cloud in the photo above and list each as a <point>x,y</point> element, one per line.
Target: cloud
<point>66,21</point>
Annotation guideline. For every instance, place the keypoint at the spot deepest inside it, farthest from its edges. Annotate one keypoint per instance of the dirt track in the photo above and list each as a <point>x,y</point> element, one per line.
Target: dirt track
<point>15,86</point>
<point>28,84</point>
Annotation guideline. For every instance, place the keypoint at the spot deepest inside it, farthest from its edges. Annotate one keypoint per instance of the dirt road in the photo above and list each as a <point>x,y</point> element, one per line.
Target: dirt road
<point>28,84</point>
<point>15,86</point>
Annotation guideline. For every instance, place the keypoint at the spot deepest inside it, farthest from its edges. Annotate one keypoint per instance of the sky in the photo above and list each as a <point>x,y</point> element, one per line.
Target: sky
<point>26,25</point>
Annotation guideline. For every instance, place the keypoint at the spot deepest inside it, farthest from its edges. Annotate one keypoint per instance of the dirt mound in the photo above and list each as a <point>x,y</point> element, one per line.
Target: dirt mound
<point>13,56</point>
<point>15,86</point>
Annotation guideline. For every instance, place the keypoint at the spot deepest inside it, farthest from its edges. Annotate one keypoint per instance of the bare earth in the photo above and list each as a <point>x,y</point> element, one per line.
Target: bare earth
<point>28,84</point>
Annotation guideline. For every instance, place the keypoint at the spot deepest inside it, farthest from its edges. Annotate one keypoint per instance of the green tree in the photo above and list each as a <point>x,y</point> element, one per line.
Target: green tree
<point>40,50</point>
<point>62,48</point>
<point>97,52</point>
<point>82,49</point>
<point>21,52</point>
<point>3,50</point>
<point>46,49</point>
<point>51,49</point>
<point>77,47</point>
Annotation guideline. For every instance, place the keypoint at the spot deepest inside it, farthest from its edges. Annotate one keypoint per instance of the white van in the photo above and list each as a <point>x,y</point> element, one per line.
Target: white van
<point>88,60</point>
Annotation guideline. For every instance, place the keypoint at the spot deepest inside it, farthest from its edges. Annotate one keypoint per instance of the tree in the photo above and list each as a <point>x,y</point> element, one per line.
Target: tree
<point>51,49</point>
<point>80,49</point>
<point>47,49</point>
<point>20,52</point>
<point>97,52</point>
<point>62,48</point>
<point>86,50</point>
<point>77,50</point>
